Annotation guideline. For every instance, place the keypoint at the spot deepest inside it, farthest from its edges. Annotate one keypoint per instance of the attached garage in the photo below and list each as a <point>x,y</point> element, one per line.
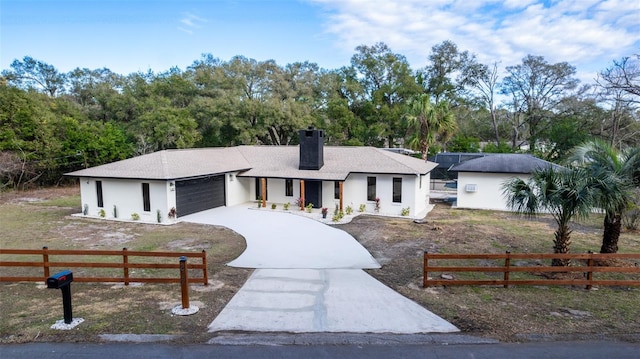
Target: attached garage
<point>199,194</point>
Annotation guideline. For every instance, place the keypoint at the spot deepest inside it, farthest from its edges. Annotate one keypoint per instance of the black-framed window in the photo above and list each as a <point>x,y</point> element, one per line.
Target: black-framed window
<point>99,194</point>
<point>146,198</point>
<point>371,188</point>
<point>259,189</point>
<point>336,189</point>
<point>397,190</point>
<point>288,187</point>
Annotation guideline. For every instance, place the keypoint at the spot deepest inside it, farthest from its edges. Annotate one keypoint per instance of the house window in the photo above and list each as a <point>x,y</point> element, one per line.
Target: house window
<point>146,199</point>
<point>397,190</point>
<point>288,188</point>
<point>371,188</point>
<point>336,189</point>
<point>259,189</point>
<point>99,194</point>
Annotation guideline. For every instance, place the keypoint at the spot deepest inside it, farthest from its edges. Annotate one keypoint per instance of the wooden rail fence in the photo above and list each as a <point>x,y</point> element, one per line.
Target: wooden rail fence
<point>45,262</point>
<point>587,270</point>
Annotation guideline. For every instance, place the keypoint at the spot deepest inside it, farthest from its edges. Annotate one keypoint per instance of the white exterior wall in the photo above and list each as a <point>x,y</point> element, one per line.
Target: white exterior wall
<point>414,196</point>
<point>238,189</point>
<point>417,199</point>
<point>421,191</point>
<point>488,194</point>
<point>328,197</point>
<point>126,195</point>
<point>275,191</point>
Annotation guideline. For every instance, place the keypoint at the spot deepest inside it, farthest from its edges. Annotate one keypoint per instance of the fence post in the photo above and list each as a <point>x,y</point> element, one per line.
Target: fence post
<point>507,268</point>
<point>205,273</point>
<point>425,272</point>
<point>125,265</point>
<point>45,262</point>
<point>590,272</point>
<point>184,282</point>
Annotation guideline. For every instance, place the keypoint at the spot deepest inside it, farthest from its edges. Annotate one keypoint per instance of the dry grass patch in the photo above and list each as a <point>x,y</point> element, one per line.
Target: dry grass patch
<point>43,218</point>
<point>39,218</point>
<point>513,314</point>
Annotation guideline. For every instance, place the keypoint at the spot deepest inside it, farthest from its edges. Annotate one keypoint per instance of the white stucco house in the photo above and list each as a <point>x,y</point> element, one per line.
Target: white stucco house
<point>480,180</point>
<point>192,180</point>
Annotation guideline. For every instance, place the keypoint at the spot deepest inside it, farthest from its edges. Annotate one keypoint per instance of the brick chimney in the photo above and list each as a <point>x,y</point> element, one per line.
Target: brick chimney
<point>311,149</point>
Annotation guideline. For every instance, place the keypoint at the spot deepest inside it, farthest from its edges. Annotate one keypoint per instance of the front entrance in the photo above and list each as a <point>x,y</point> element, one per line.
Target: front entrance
<point>313,193</point>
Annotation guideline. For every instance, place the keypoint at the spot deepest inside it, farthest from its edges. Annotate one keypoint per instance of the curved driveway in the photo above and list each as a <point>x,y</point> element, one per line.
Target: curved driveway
<point>280,240</point>
<point>309,279</point>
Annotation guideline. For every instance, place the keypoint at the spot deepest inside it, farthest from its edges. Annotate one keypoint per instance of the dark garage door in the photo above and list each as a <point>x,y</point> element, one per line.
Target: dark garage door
<point>199,194</point>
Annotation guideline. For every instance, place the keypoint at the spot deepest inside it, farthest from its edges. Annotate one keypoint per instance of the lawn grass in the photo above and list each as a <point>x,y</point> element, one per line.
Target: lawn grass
<point>517,313</point>
<point>29,309</point>
<point>508,314</point>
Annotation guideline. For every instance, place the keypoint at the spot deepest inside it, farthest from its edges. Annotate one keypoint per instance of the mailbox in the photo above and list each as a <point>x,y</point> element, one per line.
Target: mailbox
<point>60,279</point>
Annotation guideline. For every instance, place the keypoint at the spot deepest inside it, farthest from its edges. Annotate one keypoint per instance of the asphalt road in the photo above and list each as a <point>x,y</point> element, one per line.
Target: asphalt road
<point>581,350</point>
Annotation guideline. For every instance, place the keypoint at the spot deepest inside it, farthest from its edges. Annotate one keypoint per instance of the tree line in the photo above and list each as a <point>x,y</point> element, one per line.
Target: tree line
<point>53,122</point>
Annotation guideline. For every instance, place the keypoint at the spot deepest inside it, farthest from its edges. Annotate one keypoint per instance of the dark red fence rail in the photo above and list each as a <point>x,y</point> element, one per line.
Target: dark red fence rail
<point>46,262</point>
<point>584,263</point>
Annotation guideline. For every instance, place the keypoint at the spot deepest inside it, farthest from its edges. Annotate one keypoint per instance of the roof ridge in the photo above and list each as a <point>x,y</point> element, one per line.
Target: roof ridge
<point>388,153</point>
<point>241,152</point>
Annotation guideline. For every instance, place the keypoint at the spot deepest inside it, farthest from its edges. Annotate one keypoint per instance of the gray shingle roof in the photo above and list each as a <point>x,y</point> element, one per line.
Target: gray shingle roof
<point>258,161</point>
<point>171,164</point>
<point>503,163</point>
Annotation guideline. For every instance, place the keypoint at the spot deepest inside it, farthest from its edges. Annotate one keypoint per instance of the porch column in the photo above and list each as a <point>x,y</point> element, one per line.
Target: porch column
<point>341,186</point>
<point>263,184</point>
<point>302,194</point>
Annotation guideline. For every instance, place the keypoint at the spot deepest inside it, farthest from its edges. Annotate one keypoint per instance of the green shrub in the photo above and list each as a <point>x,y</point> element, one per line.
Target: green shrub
<point>135,216</point>
<point>286,206</point>
<point>405,211</point>
<point>349,210</point>
<point>159,216</point>
<point>102,213</point>
<point>309,207</point>
<point>362,208</point>
<point>273,206</point>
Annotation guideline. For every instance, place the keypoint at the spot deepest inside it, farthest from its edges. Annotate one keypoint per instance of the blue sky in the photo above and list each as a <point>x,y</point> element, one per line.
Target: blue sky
<point>134,35</point>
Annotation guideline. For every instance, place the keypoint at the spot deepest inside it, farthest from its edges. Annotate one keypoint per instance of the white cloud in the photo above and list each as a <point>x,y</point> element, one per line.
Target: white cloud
<point>190,22</point>
<point>588,34</point>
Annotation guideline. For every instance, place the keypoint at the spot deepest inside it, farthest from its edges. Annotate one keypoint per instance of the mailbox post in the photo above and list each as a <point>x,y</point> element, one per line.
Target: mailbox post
<point>62,280</point>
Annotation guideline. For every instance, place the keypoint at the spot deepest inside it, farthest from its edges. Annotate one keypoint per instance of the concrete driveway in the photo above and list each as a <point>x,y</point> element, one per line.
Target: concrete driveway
<point>310,279</point>
<point>284,240</point>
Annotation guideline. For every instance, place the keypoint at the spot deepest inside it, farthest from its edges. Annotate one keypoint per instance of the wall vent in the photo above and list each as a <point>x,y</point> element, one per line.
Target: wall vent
<point>470,188</point>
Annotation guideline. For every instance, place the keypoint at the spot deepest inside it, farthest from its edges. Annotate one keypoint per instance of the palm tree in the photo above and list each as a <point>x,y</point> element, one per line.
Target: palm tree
<point>427,122</point>
<point>563,192</point>
<point>614,176</point>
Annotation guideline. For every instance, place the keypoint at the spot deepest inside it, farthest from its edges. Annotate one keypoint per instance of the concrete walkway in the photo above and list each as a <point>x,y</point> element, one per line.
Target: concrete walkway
<point>309,279</point>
